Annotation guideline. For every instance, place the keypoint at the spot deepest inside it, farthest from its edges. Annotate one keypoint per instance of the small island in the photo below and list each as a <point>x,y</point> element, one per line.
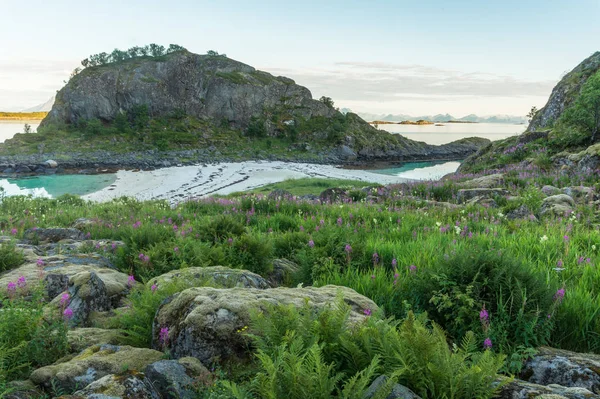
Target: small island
<point>22,116</point>
<point>419,122</point>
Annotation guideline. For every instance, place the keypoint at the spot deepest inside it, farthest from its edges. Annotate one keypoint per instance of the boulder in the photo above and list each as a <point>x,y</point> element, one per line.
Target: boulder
<point>557,205</point>
<point>569,369</point>
<point>283,272</point>
<point>551,190</point>
<point>521,212</point>
<point>51,164</point>
<point>519,389</point>
<point>215,276</point>
<point>483,201</point>
<point>129,385</point>
<point>82,223</point>
<point>175,379</point>
<point>52,235</point>
<point>22,389</point>
<point>397,392</point>
<point>58,270</point>
<point>464,195</point>
<point>489,181</point>
<point>580,193</point>
<point>92,364</point>
<point>82,338</point>
<point>204,322</point>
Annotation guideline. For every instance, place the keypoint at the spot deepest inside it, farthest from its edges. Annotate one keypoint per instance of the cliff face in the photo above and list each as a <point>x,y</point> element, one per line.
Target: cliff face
<point>202,86</point>
<point>565,92</point>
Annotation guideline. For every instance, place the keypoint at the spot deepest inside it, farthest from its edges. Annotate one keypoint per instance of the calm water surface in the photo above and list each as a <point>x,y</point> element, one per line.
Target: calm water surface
<point>9,128</point>
<point>55,186</point>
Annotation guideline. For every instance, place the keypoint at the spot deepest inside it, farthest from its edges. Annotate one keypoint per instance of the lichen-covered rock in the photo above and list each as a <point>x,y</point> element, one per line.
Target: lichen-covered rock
<point>130,385</point>
<point>585,194</point>
<point>519,389</point>
<point>63,268</point>
<point>464,195</point>
<point>551,190</point>
<point>489,181</point>
<point>52,235</point>
<point>558,205</point>
<point>22,389</point>
<point>332,195</point>
<point>87,293</point>
<point>214,276</point>
<point>280,194</point>
<point>398,391</point>
<point>92,364</point>
<point>283,271</point>
<point>175,379</point>
<point>570,369</point>
<point>204,322</point>
<point>522,212</point>
<point>83,338</point>
<point>483,201</point>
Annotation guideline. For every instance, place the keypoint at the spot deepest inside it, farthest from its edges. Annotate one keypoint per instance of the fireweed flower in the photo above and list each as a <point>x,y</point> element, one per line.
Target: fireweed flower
<point>375,258</point>
<point>484,316</point>
<point>487,344</point>
<point>348,249</point>
<point>560,294</point>
<point>68,314</point>
<point>130,281</point>
<point>311,243</point>
<point>394,263</point>
<point>367,312</point>
<point>40,262</point>
<point>11,286</point>
<point>153,288</point>
<point>163,336</point>
<point>21,282</point>
<point>64,299</point>
<point>14,232</point>
<point>176,249</point>
<point>413,269</point>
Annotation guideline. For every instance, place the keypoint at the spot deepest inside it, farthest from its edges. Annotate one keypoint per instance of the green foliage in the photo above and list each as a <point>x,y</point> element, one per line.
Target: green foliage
<point>121,123</point>
<point>234,77</point>
<point>327,101</point>
<point>256,127</point>
<point>139,116</point>
<point>585,111</point>
<point>29,338</point>
<point>10,256</point>
<point>93,127</point>
<point>222,227</point>
<point>251,252</point>
<point>153,50</point>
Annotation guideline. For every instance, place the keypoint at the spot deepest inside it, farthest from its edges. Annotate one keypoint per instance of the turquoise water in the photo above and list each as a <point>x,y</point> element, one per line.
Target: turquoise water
<point>420,170</point>
<point>55,186</point>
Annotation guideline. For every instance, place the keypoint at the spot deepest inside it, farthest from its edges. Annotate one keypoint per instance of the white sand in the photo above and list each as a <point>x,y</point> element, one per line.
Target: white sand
<point>179,183</point>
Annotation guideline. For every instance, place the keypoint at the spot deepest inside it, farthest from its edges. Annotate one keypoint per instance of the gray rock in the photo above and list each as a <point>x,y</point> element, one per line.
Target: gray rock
<point>521,212</point>
<point>397,392</point>
<point>204,322</point>
<point>580,193</point>
<point>283,272</point>
<point>82,223</point>
<point>52,235</point>
<point>51,164</point>
<point>551,190</point>
<point>488,181</point>
<point>569,369</point>
<point>279,195</point>
<point>519,389</point>
<point>557,205</point>
<point>123,385</point>
<point>347,153</point>
<point>332,195</point>
<point>464,195</point>
<point>483,201</point>
<point>214,276</point>
<point>56,284</point>
<point>87,294</point>
<point>175,379</point>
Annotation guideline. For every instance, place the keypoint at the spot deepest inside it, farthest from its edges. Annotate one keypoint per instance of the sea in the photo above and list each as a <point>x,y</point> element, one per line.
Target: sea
<point>53,186</point>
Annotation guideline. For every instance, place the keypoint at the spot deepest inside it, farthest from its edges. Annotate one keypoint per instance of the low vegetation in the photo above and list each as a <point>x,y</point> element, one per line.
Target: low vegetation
<point>465,293</point>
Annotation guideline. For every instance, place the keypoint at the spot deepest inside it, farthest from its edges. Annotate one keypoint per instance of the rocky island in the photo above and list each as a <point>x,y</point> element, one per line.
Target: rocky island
<point>184,108</point>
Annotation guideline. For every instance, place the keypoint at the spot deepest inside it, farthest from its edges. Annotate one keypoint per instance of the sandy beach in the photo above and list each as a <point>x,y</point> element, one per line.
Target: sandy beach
<point>179,183</point>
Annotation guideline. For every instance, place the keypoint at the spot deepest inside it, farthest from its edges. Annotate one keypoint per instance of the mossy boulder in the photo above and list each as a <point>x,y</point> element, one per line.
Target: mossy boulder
<point>82,338</point>
<point>92,364</point>
<point>215,276</point>
<point>489,181</point>
<point>205,322</point>
<point>558,205</point>
<point>519,389</point>
<point>126,385</point>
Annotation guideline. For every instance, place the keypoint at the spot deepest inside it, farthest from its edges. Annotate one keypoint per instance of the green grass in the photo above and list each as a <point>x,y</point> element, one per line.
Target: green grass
<point>308,186</point>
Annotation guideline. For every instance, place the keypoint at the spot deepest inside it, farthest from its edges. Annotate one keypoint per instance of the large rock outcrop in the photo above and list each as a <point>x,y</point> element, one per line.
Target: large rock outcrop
<point>565,92</point>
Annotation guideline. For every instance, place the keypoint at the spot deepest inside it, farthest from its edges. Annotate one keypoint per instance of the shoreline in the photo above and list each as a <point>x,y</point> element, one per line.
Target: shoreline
<point>177,184</point>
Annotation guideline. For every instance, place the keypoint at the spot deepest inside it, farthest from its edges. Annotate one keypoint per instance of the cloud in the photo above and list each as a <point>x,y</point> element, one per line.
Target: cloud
<point>369,81</point>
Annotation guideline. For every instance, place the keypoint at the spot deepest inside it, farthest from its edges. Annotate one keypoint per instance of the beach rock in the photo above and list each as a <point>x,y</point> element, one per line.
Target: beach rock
<point>519,389</point>
<point>82,338</point>
<point>215,276</point>
<point>176,379</point>
<point>283,272</point>
<point>557,205</point>
<point>569,369</point>
<point>92,364</point>
<point>398,391</point>
<point>130,385</point>
<point>332,195</point>
<point>347,153</point>
<point>53,235</point>
<point>464,195</point>
<point>204,322</point>
<point>551,190</point>
<point>51,164</point>
<point>488,181</point>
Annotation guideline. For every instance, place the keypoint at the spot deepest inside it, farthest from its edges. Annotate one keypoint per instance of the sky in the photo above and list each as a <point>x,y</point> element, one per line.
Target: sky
<point>418,57</point>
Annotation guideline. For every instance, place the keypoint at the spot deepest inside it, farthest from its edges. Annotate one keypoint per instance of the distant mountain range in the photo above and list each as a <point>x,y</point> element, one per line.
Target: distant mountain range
<point>439,117</point>
<point>45,107</point>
